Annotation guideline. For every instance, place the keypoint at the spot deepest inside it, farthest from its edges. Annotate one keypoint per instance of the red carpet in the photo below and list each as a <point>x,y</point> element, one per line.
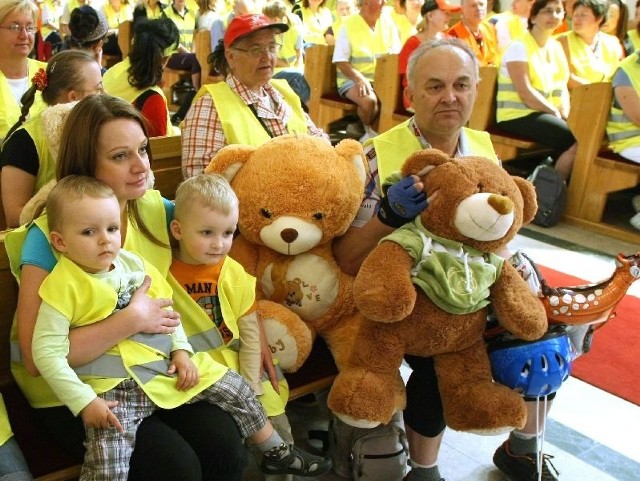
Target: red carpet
<point>613,363</point>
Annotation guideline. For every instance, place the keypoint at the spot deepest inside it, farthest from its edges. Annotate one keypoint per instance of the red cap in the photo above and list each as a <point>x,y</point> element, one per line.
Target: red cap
<point>246,24</point>
<point>430,5</point>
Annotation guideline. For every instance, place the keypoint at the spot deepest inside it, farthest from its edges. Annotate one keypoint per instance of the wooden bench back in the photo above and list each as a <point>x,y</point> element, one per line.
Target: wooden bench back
<point>125,36</point>
<point>325,104</point>
<point>167,163</point>
<point>388,87</point>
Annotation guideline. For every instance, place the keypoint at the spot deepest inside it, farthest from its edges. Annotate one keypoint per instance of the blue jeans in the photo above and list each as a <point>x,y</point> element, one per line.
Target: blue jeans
<point>13,467</point>
<point>297,82</point>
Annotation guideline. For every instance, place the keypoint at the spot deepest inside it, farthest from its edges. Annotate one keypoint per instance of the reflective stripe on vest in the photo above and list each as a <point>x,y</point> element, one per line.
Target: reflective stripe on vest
<point>549,78</point>
<point>622,132</point>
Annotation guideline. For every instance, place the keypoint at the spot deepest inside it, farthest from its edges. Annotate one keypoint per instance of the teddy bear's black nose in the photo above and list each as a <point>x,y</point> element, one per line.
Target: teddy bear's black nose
<point>289,235</point>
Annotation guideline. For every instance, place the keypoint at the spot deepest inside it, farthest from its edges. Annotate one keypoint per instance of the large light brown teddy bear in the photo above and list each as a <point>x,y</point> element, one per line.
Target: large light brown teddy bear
<point>431,298</point>
<point>297,193</point>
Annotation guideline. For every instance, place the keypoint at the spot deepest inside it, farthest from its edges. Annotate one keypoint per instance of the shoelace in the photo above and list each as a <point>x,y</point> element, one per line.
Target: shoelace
<point>547,466</point>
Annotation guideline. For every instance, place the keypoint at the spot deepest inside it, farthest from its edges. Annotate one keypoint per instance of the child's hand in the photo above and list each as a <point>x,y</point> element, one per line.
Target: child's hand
<point>98,414</point>
<point>188,375</point>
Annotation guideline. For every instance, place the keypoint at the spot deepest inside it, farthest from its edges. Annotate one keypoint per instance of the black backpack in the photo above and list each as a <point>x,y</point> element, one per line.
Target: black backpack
<point>551,191</point>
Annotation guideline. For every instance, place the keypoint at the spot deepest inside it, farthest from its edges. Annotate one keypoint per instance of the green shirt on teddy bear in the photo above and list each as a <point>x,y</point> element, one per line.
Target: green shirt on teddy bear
<point>456,277</point>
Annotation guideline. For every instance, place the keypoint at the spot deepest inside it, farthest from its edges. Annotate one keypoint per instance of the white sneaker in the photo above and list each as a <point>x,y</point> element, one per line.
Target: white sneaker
<point>635,221</point>
<point>635,201</point>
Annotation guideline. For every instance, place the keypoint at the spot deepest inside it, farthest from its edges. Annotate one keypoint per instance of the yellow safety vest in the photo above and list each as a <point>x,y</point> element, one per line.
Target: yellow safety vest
<point>367,44</point>
<point>634,37</point>
<point>152,211</point>
<point>116,83</point>
<point>622,132</point>
<point>186,25</point>
<point>10,110</point>
<point>236,293</point>
<point>84,300</point>
<point>316,25</point>
<point>47,164</point>
<point>239,124</point>
<point>589,65</point>
<point>395,145</point>
<point>44,30</point>
<point>547,77</point>
<point>114,19</point>
<point>404,26</point>
<point>5,427</point>
<point>288,51</point>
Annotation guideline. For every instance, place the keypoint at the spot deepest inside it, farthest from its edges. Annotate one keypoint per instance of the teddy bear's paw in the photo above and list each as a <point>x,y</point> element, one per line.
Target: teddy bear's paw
<point>377,305</point>
<point>357,423</point>
<point>492,432</point>
<point>290,339</point>
<point>485,407</point>
<point>363,397</point>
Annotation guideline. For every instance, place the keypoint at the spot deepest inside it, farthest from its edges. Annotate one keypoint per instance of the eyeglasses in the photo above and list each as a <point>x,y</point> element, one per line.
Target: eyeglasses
<point>552,11</point>
<point>16,29</point>
<point>258,51</point>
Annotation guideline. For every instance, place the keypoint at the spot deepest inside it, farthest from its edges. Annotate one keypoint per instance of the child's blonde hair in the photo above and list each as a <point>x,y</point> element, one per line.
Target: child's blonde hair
<point>69,189</point>
<point>209,190</point>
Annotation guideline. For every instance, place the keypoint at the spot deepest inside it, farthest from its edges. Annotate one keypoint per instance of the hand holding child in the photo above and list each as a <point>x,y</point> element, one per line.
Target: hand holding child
<point>182,364</point>
<point>152,314</point>
<point>98,414</point>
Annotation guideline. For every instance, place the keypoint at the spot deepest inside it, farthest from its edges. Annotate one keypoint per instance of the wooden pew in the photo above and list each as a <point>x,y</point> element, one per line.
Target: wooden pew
<point>166,164</point>
<point>597,171</point>
<point>389,90</point>
<point>483,117</point>
<point>325,104</point>
<point>203,49</point>
<point>125,36</point>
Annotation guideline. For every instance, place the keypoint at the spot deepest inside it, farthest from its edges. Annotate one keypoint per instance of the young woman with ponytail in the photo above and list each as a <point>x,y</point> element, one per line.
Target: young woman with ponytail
<point>26,158</point>
<point>137,78</point>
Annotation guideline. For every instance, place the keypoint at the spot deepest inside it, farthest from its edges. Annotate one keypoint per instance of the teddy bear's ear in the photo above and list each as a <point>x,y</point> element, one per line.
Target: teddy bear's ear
<point>416,162</point>
<point>351,150</point>
<point>229,160</point>
<point>528,192</point>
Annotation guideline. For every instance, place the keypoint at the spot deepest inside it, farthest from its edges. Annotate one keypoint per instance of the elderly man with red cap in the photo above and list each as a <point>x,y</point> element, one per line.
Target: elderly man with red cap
<point>249,107</point>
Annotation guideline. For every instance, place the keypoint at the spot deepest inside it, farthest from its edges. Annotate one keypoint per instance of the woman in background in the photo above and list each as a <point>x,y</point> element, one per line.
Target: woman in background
<point>593,55</point>
<point>436,15</point>
<point>316,19</point>
<point>27,160</point>
<point>533,99</point>
<point>89,30</point>
<point>617,20</point>
<point>18,28</point>
<point>116,12</point>
<point>623,128</point>
<point>137,78</point>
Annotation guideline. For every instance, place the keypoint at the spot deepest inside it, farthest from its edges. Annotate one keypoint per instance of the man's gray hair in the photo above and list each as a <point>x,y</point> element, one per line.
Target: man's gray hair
<point>435,43</point>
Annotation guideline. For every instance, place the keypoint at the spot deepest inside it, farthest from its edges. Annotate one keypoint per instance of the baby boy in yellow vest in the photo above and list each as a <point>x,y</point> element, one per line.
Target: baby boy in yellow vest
<point>119,389</point>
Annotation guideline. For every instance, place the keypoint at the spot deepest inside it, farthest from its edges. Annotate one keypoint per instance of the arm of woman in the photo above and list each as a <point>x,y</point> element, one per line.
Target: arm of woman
<point>18,187</point>
<point>519,73</point>
<point>20,164</point>
<point>89,342</point>
<point>154,110</point>
<point>629,101</point>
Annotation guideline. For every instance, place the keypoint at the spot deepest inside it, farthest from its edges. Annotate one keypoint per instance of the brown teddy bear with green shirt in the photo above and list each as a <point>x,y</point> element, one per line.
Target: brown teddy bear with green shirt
<point>426,290</point>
